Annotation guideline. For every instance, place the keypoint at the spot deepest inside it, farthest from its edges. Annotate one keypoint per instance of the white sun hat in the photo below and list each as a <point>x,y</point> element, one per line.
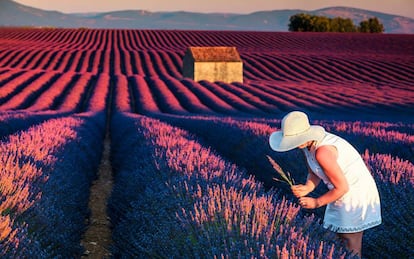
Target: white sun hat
<point>296,131</point>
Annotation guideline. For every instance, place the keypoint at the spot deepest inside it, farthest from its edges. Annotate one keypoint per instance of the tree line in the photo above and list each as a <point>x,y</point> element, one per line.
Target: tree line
<point>312,23</point>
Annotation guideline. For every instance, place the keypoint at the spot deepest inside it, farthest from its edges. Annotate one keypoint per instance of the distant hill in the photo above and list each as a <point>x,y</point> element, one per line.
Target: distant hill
<point>14,14</point>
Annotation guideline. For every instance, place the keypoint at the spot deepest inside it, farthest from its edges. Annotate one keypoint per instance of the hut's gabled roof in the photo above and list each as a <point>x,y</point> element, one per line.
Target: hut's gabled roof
<point>214,54</point>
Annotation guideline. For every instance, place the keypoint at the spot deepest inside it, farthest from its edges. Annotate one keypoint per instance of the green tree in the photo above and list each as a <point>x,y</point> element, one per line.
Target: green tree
<point>312,23</point>
<point>339,24</point>
<point>322,24</point>
<point>300,22</point>
<point>372,25</point>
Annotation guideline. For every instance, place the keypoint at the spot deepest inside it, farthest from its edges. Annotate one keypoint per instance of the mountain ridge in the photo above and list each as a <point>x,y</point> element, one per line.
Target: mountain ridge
<point>13,14</point>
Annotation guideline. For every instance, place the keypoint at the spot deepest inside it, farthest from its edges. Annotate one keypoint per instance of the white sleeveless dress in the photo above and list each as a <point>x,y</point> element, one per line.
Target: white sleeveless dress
<point>358,209</point>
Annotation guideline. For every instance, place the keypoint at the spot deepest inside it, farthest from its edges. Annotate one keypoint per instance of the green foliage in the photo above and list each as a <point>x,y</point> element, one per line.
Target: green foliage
<point>322,24</point>
<point>372,25</point>
<point>339,24</point>
<point>300,22</point>
<point>312,23</point>
<point>8,211</point>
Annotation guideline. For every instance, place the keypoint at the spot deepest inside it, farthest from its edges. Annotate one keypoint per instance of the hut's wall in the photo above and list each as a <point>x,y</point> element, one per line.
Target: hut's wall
<point>218,71</point>
<point>188,66</point>
<point>213,64</point>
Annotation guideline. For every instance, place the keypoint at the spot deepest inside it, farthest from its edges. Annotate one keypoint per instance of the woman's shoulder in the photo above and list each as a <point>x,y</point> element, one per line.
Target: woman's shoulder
<point>326,151</point>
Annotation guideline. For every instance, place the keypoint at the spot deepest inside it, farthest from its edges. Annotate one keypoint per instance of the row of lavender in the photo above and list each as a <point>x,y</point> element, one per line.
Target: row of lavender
<point>14,121</point>
<point>322,72</point>
<point>173,191</point>
<point>160,52</point>
<point>36,91</point>
<point>47,165</point>
<point>175,197</point>
<point>386,147</point>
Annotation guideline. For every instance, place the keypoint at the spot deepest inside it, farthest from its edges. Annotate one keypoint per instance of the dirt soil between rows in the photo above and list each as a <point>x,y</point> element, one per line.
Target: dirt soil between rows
<point>97,238</point>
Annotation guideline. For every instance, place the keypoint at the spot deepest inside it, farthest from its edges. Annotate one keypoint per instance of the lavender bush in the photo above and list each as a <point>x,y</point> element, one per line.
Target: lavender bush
<point>46,172</point>
<point>173,197</point>
<point>14,121</point>
<point>239,139</point>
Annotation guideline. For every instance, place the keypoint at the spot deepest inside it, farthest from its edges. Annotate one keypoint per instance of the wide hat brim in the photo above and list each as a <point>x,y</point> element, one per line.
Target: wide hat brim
<point>280,143</point>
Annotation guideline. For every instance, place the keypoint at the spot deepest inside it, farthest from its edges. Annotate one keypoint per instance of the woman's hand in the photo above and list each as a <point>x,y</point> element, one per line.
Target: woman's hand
<point>308,202</point>
<point>301,190</point>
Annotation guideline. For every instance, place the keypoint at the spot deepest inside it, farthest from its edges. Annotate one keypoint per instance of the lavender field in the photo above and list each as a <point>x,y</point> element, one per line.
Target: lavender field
<point>190,173</point>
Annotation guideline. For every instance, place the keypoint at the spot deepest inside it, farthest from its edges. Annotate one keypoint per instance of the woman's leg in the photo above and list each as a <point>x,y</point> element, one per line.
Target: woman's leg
<point>353,241</point>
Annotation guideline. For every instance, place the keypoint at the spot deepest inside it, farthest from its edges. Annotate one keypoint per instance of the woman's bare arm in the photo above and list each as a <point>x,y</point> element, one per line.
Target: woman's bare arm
<point>326,157</point>
<point>313,180</point>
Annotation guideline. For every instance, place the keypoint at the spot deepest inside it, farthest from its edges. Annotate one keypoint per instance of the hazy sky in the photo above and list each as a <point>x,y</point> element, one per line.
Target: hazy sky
<point>399,7</point>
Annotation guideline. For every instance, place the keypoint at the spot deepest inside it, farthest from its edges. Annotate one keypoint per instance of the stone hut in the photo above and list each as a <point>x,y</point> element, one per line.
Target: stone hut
<point>213,64</point>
